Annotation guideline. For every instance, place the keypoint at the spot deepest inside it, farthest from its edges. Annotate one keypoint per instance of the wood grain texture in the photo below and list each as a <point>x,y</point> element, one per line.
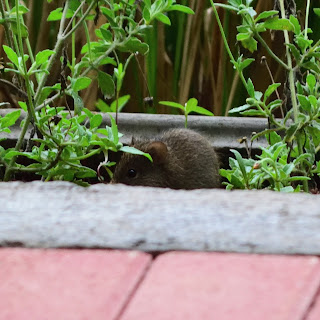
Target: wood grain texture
<point>60,214</point>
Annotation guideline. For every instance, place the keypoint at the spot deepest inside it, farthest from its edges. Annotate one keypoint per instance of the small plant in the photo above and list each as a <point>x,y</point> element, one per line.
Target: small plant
<point>60,139</point>
<point>190,106</point>
<point>290,160</point>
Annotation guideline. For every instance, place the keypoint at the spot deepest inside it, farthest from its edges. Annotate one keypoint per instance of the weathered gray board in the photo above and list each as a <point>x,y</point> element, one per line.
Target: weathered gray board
<point>59,214</point>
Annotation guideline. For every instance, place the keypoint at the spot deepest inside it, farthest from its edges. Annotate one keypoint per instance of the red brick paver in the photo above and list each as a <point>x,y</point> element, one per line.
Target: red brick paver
<point>314,313</point>
<point>67,284</point>
<point>201,286</point>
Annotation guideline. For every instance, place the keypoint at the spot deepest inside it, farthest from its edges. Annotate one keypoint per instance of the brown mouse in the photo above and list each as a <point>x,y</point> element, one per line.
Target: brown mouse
<point>182,159</point>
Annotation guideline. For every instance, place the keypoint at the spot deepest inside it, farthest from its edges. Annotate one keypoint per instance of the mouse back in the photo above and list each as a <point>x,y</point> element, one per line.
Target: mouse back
<point>182,159</point>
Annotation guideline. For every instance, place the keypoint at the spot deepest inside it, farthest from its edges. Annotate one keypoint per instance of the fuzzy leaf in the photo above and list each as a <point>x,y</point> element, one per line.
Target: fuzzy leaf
<point>181,8</point>
<point>133,150</point>
<point>95,121</point>
<point>172,104</point>
<point>265,15</point>
<point>43,56</point>
<point>163,18</point>
<point>240,109</point>
<point>81,83</point>
<point>12,56</point>
<point>106,84</point>
<point>279,24</point>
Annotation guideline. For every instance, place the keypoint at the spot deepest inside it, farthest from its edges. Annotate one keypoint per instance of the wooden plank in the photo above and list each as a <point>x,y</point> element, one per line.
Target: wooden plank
<point>61,214</point>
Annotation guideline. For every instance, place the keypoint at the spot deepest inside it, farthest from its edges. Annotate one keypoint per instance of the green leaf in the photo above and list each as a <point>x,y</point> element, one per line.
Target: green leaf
<point>45,92</point>
<point>106,84</point>
<point>173,105</point>
<point>201,110</point>
<point>278,24</point>
<point>23,29</point>
<point>225,6</point>
<point>245,63</point>
<point>243,36</point>
<point>103,106</point>
<point>253,113</point>
<point>273,138</point>
<point>56,14</point>
<point>95,121</point>
<point>304,102</point>
<point>312,65</point>
<point>287,189</point>
<point>296,24</point>
<point>21,9</point>
<point>80,83</point>
<point>273,87</point>
<point>250,88</point>
<point>295,52</point>
<point>147,3</point>
<point>114,130</point>
<point>291,132</point>
<point>251,44</point>
<point>122,101</point>
<point>190,105</point>
<point>78,102</point>
<point>23,106</point>
<point>43,56</point>
<point>239,109</point>
<point>12,56</point>
<point>181,8</point>
<point>146,14</point>
<point>163,18</point>
<point>10,119</point>
<point>311,81</point>
<point>265,15</point>
<point>317,11</point>
<point>240,162</point>
<point>134,45</point>
<point>133,150</point>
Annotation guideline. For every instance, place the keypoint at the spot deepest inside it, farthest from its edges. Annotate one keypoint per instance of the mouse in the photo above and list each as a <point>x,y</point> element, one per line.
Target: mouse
<point>182,159</point>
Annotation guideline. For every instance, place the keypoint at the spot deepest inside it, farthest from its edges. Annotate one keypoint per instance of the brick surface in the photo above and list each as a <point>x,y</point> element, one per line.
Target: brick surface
<point>221,286</point>
<point>314,312</point>
<point>67,284</point>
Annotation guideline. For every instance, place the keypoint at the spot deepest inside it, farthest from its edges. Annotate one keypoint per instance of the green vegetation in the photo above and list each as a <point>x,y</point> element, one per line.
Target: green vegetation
<point>289,161</point>
<point>60,140</point>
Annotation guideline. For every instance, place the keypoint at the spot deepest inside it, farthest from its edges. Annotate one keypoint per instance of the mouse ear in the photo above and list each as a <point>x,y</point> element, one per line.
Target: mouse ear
<point>158,151</point>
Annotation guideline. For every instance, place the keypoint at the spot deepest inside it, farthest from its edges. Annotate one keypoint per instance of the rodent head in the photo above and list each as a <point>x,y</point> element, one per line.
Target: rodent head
<point>138,170</point>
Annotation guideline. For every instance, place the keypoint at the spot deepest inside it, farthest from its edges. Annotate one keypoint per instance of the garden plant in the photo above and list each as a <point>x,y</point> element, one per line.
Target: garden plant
<point>290,162</point>
<point>60,139</point>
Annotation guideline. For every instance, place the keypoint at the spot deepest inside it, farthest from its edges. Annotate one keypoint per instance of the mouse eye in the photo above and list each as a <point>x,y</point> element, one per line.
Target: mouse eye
<point>131,173</point>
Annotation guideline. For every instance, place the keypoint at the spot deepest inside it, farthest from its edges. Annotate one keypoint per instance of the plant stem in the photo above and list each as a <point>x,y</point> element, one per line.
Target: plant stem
<point>307,20</point>
<point>292,88</point>
<point>270,52</point>
<point>65,36</point>
<point>58,45</point>
<point>85,26</point>
<point>85,156</point>
<point>226,42</point>
<point>5,24</point>
<point>73,57</point>
<point>9,169</point>
<point>71,22</point>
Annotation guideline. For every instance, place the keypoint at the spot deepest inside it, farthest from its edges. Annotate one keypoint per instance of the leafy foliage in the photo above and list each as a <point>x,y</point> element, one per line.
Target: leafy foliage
<point>190,106</point>
<point>61,140</point>
<point>290,160</point>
